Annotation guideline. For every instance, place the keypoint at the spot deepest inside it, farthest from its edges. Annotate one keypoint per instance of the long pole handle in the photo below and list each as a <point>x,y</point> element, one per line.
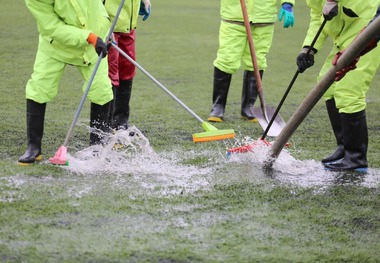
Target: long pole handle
<point>77,113</point>
<point>76,116</point>
<point>317,92</point>
<point>157,82</point>
<point>292,82</point>
<point>253,57</point>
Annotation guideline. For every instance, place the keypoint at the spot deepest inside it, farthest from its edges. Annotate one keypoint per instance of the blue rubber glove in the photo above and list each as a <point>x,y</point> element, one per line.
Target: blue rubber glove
<point>144,9</point>
<point>287,11</point>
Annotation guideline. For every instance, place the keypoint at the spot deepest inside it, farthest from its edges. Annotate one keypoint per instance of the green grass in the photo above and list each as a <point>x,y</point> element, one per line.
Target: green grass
<point>188,204</point>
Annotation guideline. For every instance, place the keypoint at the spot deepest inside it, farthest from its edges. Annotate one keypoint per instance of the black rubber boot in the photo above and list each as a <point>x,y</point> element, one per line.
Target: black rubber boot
<point>249,95</point>
<point>221,86</point>
<point>112,107</point>
<point>336,125</point>
<point>99,123</point>
<point>355,141</point>
<point>122,109</point>
<point>35,116</point>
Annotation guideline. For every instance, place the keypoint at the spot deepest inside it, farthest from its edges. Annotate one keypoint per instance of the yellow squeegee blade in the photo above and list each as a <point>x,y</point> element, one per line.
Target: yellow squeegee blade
<point>213,135</point>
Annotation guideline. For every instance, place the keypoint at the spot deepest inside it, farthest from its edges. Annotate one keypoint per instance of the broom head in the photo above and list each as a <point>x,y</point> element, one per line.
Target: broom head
<point>248,147</point>
<point>60,157</point>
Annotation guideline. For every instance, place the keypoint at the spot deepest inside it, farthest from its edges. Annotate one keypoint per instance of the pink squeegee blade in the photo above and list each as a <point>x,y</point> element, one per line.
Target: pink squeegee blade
<point>60,157</point>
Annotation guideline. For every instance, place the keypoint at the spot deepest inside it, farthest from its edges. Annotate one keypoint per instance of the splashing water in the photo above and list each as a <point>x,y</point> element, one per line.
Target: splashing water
<point>128,152</point>
<point>128,162</point>
<point>304,173</point>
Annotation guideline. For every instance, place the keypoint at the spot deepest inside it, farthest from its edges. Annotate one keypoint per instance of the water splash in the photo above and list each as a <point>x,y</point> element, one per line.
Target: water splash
<point>128,162</point>
<point>128,152</point>
<point>305,173</point>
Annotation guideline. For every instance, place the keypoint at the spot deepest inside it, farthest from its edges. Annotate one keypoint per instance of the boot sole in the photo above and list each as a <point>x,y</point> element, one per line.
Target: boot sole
<point>361,170</point>
<point>215,119</point>
<point>38,159</point>
<point>358,170</point>
<point>253,120</point>
<point>331,162</point>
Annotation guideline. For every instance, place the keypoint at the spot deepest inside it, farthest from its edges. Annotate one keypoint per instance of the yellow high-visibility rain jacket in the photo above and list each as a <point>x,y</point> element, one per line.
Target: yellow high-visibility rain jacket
<point>64,26</point>
<point>350,92</point>
<point>259,11</point>
<point>128,16</point>
<point>352,17</point>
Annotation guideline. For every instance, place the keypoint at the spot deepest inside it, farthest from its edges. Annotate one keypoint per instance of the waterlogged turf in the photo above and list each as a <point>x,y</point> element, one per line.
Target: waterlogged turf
<point>131,204</point>
<point>151,194</point>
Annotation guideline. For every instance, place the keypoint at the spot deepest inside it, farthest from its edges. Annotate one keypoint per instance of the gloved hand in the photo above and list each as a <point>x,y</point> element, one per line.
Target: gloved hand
<point>305,60</point>
<point>99,45</point>
<point>287,12</point>
<point>330,9</point>
<point>145,9</point>
<point>341,73</point>
<point>110,40</point>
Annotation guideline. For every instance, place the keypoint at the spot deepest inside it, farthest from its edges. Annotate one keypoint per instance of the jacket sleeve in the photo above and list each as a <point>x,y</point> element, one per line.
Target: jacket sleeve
<point>52,26</point>
<point>288,1</point>
<point>314,25</point>
<point>377,13</point>
<point>376,16</point>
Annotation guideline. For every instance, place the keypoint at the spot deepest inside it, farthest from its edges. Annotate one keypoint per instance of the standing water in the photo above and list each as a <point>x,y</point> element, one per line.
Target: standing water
<point>128,162</point>
<point>129,152</point>
<point>129,156</point>
<point>304,173</point>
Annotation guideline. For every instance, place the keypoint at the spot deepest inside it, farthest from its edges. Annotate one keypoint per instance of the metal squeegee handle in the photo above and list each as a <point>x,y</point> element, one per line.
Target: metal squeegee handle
<point>156,82</point>
<point>292,82</point>
<point>109,35</point>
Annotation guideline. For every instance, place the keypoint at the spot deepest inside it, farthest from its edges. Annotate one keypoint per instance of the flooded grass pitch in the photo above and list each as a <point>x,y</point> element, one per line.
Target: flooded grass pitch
<point>128,162</point>
<point>168,199</point>
<point>124,201</point>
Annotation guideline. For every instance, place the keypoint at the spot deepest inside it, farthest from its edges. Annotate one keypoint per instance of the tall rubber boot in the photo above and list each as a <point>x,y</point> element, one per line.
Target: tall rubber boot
<point>355,141</point>
<point>99,123</point>
<point>221,86</point>
<point>336,125</point>
<point>122,109</point>
<point>35,116</point>
<point>112,107</point>
<point>249,95</point>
